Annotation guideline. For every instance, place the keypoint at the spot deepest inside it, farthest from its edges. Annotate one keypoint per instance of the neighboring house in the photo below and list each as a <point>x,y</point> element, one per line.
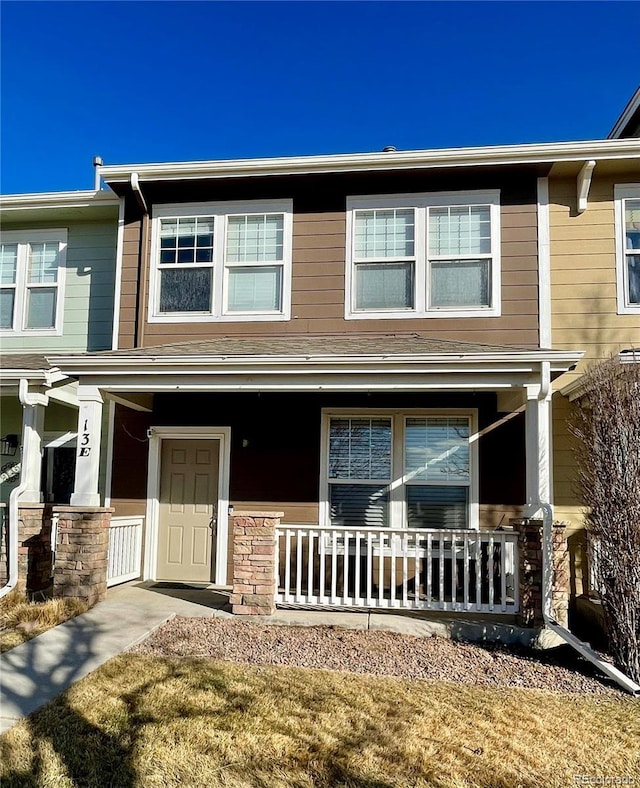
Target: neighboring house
<point>57,285</point>
<point>361,342</point>
<point>595,294</point>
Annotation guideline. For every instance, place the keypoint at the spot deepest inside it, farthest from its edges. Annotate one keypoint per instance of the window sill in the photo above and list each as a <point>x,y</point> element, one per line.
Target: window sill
<point>414,315</point>
<point>31,332</point>
<point>239,318</point>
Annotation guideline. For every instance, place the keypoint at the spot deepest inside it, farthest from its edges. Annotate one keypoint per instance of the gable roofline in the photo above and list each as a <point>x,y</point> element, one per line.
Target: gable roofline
<point>73,199</point>
<point>539,153</point>
<point>633,106</point>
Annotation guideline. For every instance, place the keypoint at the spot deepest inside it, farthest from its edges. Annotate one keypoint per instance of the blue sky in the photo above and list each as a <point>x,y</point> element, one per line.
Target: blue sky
<point>165,81</point>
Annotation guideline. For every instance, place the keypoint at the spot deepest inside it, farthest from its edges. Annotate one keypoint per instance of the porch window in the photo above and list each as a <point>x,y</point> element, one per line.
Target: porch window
<point>221,261</point>
<point>437,473</point>
<point>359,471</point>
<point>416,470</point>
<point>423,255</point>
<point>627,215</point>
<point>32,273</point>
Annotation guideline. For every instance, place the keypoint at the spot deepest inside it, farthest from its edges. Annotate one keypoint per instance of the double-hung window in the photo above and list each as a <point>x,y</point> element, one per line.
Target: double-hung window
<point>423,255</point>
<point>627,212</point>
<point>416,469</point>
<point>222,261</point>
<point>32,273</point>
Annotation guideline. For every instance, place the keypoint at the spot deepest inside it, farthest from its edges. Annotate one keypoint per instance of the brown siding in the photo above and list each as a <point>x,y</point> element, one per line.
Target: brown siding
<point>129,287</point>
<point>279,468</point>
<point>319,230</point>
<point>130,461</point>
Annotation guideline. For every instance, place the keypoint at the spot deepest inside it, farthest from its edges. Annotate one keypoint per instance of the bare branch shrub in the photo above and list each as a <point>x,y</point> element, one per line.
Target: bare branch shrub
<point>606,422</point>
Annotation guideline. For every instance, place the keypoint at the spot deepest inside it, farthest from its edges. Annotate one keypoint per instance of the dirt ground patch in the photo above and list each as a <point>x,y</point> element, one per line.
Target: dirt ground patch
<point>378,653</point>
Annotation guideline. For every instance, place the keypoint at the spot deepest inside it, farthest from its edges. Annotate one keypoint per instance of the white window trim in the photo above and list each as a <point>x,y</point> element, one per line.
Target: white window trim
<point>23,238</point>
<point>221,211</point>
<point>421,202</point>
<point>398,508</point>
<point>622,192</point>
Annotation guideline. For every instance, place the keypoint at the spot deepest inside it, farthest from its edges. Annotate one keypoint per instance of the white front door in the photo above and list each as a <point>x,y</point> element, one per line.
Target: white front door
<point>188,509</point>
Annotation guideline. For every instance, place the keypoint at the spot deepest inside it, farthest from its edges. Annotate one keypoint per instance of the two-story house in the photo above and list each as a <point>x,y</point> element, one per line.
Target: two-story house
<point>361,342</point>
<point>594,279</point>
<point>57,291</point>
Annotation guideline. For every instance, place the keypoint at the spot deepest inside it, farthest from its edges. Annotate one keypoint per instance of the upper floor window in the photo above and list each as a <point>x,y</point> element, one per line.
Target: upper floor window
<point>225,261</point>
<point>628,247</point>
<point>423,255</point>
<point>32,270</point>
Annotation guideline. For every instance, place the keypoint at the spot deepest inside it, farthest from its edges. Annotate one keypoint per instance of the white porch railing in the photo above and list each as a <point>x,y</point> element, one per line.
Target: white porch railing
<point>125,549</point>
<point>404,569</point>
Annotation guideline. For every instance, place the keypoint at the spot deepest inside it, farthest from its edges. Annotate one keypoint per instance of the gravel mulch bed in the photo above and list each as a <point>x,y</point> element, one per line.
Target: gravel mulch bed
<point>378,653</point>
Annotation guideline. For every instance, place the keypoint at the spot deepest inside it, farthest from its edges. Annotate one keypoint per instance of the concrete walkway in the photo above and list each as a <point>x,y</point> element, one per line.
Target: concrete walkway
<point>40,669</point>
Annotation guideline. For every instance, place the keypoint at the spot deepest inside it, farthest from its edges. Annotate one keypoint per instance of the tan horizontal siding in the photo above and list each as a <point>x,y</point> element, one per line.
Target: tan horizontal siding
<point>588,276</point>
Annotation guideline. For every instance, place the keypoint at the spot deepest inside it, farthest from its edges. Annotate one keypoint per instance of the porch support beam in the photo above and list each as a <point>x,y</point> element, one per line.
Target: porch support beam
<point>538,445</point>
<point>32,431</point>
<point>85,491</point>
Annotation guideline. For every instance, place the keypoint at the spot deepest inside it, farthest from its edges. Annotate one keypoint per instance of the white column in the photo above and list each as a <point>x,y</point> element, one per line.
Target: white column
<point>538,450</point>
<point>85,491</point>
<point>31,470</point>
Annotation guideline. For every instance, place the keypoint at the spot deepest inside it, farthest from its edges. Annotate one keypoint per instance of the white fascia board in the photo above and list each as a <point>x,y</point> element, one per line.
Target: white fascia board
<point>560,361</point>
<point>130,384</point>
<point>76,199</point>
<point>538,153</point>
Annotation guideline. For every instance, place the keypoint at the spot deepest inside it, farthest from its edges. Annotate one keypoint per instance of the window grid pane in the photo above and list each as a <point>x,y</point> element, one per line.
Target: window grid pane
<point>41,308</point>
<point>255,238</point>
<point>633,278</point>
<point>632,224</point>
<point>360,448</point>
<point>185,290</point>
<point>186,240</point>
<point>437,450</point>
<point>460,283</point>
<point>359,505</point>
<point>437,507</point>
<point>460,230</point>
<point>255,289</point>
<point>8,263</point>
<point>7,301</point>
<point>384,233</point>
<point>43,263</point>
<point>385,286</point>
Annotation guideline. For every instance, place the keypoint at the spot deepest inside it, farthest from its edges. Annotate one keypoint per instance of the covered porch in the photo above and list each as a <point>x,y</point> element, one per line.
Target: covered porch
<point>396,464</point>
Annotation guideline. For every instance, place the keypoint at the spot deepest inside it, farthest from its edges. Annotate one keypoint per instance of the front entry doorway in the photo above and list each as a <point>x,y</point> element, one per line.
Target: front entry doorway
<point>188,509</point>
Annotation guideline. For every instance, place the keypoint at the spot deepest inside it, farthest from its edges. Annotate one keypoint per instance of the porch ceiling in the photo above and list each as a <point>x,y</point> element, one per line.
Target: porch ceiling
<point>337,362</point>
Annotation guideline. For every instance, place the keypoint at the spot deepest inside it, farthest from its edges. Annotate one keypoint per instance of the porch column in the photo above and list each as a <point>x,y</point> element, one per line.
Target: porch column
<point>32,430</point>
<point>538,453</point>
<point>85,492</point>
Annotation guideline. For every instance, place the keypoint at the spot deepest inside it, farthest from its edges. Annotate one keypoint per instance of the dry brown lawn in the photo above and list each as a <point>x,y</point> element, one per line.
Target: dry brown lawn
<point>150,721</point>
<point>21,620</point>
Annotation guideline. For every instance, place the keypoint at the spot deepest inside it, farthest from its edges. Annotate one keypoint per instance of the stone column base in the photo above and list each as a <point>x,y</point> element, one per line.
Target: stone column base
<point>254,546</point>
<point>82,553</point>
<point>34,547</point>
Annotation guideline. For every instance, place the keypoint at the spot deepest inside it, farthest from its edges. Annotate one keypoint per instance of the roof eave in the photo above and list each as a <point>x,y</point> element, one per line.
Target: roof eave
<point>543,153</point>
<point>560,361</point>
<point>74,199</point>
